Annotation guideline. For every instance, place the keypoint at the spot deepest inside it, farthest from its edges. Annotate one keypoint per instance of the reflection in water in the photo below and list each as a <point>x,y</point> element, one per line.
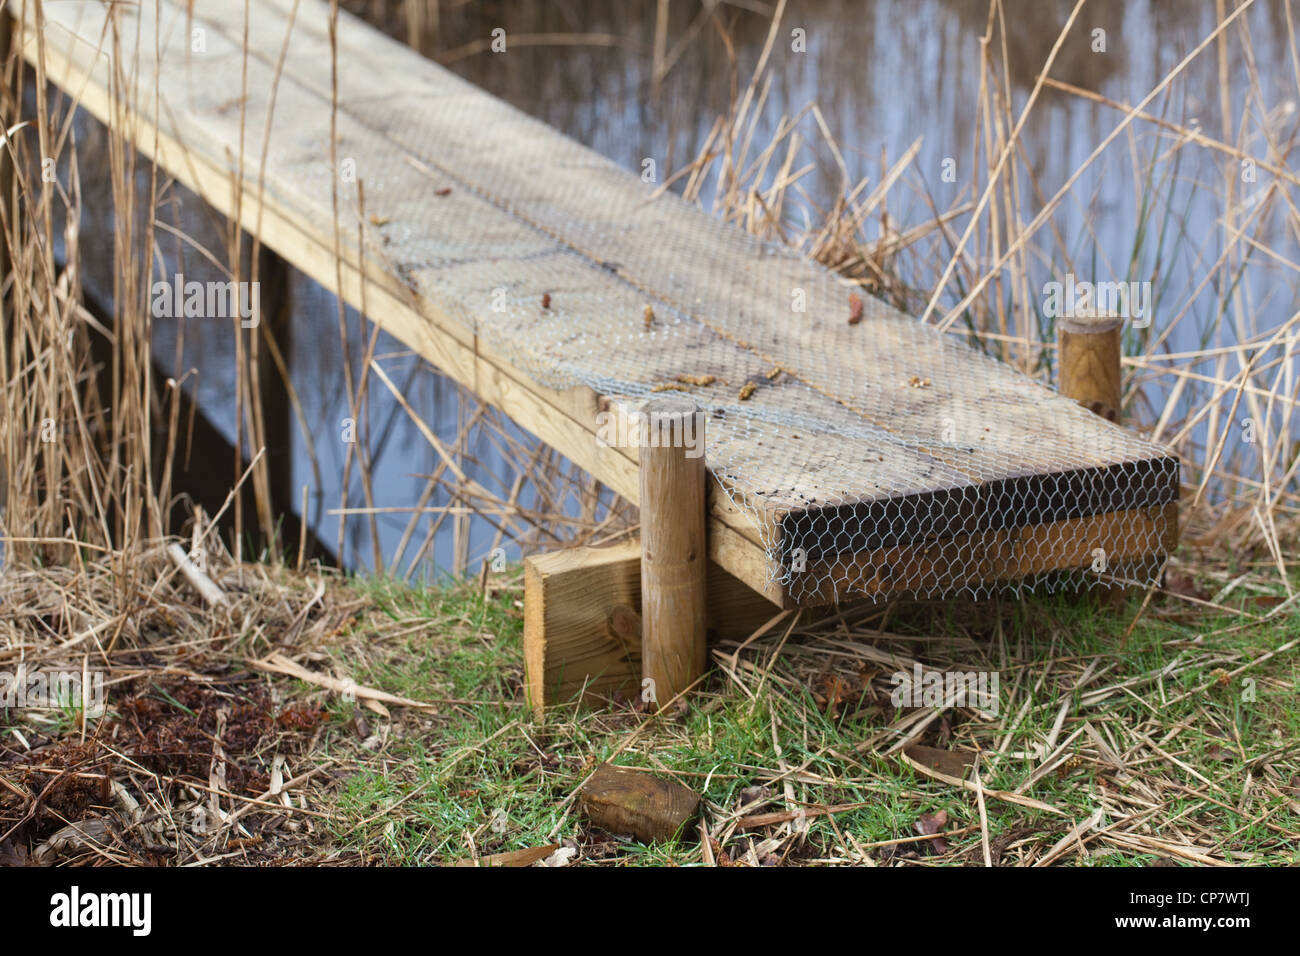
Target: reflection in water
<point>883,75</point>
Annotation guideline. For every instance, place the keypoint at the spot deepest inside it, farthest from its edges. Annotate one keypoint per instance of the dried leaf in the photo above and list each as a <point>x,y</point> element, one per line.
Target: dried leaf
<point>560,857</point>
<point>954,763</point>
<point>525,857</point>
<point>855,308</point>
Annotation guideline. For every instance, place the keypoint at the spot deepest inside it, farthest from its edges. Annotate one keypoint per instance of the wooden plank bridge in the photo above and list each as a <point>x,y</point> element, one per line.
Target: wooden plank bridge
<point>851,451</point>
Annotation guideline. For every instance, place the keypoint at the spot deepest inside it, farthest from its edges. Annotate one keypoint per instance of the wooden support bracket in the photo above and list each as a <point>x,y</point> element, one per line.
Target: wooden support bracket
<point>582,623</point>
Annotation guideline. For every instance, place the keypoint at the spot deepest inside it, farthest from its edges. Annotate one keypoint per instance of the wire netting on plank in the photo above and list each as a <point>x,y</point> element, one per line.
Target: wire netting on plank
<point>873,454</point>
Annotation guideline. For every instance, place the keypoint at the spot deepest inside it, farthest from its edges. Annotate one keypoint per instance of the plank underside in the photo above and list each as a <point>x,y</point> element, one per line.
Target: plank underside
<point>882,444</point>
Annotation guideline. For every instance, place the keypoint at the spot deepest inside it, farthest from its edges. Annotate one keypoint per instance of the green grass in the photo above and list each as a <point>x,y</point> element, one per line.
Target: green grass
<point>481,774</point>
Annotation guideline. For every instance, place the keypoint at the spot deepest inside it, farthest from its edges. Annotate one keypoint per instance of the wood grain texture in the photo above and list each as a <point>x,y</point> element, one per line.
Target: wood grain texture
<point>1090,363</point>
<point>1091,349</point>
<point>569,649</point>
<point>192,147</point>
<point>674,556</point>
<point>582,621</point>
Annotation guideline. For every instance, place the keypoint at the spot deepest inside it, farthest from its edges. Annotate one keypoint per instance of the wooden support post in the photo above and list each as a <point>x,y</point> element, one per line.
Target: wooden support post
<point>674,551</point>
<point>1090,363</point>
<point>1090,351</point>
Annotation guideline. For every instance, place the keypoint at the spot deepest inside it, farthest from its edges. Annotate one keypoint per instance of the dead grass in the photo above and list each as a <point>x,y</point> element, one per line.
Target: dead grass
<point>310,719</point>
<point>1176,744</point>
<point>194,756</point>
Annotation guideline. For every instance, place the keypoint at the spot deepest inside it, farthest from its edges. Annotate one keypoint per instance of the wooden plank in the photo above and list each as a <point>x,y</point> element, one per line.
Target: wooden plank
<point>879,435</point>
<point>1005,555</point>
<point>563,418</point>
<point>574,634</point>
<point>571,644</point>
<point>510,143</point>
<point>990,507</point>
<point>531,167</point>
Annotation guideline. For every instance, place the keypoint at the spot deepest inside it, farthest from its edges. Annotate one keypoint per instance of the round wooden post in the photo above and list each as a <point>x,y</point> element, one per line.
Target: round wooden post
<point>674,554</point>
<point>1090,370</point>
<point>1090,374</point>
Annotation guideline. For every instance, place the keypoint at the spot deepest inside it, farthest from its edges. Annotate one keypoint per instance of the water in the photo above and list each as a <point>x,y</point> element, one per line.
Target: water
<point>884,75</point>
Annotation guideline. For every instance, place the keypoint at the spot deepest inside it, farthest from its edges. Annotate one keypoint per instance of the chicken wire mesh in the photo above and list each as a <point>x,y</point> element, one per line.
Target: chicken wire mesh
<point>873,455</point>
